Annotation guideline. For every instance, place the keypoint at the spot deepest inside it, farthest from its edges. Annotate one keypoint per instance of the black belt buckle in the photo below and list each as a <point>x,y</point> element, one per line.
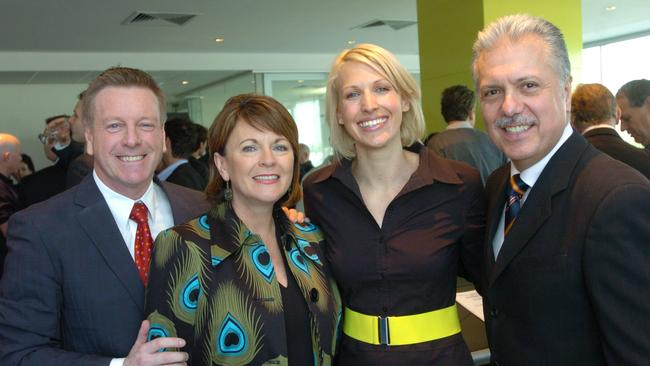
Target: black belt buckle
<point>384,331</point>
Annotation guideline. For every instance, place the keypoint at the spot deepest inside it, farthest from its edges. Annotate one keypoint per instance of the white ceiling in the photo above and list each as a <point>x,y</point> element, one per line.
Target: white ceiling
<point>47,41</point>
<point>630,17</point>
<point>248,26</point>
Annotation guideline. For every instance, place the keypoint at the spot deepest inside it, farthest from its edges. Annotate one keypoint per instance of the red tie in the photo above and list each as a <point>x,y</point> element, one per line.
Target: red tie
<point>143,240</point>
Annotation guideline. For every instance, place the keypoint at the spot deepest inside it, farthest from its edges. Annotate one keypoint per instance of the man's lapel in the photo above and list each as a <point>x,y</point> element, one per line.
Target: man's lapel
<point>183,209</point>
<point>538,206</point>
<point>496,200</point>
<point>97,221</point>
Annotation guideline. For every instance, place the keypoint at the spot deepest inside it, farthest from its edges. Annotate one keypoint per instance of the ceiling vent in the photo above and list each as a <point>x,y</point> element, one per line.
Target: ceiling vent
<point>157,19</point>
<point>394,24</point>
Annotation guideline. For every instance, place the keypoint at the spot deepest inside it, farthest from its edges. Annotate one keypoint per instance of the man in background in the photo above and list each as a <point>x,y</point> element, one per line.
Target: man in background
<point>60,147</point>
<point>594,114</point>
<point>200,159</point>
<point>82,165</point>
<point>305,164</point>
<point>634,100</point>
<point>180,140</point>
<point>10,162</point>
<point>460,140</point>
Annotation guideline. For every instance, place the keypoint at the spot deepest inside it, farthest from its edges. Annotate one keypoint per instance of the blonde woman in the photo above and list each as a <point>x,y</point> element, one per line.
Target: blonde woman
<point>400,222</point>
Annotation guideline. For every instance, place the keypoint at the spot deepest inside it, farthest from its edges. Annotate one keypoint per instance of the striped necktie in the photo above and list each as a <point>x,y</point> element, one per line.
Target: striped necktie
<point>515,192</point>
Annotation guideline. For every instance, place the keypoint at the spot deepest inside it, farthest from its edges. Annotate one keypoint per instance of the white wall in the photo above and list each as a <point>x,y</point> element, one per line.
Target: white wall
<point>258,62</point>
<point>214,97</point>
<point>25,107</point>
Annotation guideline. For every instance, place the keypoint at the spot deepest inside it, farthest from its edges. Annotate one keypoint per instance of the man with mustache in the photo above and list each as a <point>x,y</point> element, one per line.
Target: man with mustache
<point>567,252</point>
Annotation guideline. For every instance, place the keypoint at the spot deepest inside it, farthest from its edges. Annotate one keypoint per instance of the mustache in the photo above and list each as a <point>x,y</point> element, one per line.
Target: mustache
<point>516,120</point>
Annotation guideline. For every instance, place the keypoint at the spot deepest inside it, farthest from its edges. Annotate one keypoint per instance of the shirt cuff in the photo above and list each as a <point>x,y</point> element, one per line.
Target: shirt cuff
<point>117,362</point>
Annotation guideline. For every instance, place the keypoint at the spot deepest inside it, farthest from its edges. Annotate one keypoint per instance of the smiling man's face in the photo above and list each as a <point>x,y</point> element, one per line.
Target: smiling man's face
<point>126,138</point>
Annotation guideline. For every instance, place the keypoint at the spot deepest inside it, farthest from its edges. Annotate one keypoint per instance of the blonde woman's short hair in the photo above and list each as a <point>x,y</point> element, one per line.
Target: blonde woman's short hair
<point>384,63</point>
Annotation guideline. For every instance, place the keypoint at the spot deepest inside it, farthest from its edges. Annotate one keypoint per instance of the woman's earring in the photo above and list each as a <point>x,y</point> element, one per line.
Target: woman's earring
<point>227,193</point>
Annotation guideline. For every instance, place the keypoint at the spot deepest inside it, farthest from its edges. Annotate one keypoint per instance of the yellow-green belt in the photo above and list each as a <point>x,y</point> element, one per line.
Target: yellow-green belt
<point>401,330</point>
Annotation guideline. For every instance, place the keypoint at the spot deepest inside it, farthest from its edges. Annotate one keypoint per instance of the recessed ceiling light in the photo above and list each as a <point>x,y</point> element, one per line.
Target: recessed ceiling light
<point>611,8</point>
<point>185,82</point>
<point>219,40</point>
<point>300,81</point>
<point>352,41</point>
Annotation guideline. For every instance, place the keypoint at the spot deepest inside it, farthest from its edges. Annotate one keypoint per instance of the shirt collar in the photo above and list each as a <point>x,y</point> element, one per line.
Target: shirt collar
<point>431,168</point>
<point>602,125</point>
<point>530,175</point>
<point>458,124</point>
<point>165,173</point>
<point>121,205</point>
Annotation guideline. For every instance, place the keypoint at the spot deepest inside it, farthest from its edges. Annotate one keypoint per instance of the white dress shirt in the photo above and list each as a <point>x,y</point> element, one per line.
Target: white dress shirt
<point>160,217</point>
<point>160,211</point>
<point>529,176</point>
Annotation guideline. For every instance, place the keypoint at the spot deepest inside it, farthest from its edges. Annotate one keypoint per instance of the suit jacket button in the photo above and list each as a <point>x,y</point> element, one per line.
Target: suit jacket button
<point>313,295</point>
<point>494,312</point>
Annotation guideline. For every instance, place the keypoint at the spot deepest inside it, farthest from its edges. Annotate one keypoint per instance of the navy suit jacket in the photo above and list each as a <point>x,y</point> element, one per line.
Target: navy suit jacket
<point>571,283</point>
<point>71,294</point>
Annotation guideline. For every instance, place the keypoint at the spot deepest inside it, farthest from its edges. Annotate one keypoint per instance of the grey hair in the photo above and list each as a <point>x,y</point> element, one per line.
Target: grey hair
<point>515,27</point>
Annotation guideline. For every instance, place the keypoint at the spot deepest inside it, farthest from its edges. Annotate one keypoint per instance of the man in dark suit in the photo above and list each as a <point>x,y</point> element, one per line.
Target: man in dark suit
<point>594,113</point>
<point>82,165</point>
<point>62,144</point>
<point>10,162</point>
<point>567,252</point>
<point>181,138</point>
<point>71,293</point>
<point>634,100</point>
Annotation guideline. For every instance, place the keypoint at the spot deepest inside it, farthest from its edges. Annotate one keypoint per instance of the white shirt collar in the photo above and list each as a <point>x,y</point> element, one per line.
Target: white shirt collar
<point>602,125</point>
<point>458,124</point>
<point>123,203</point>
<point>530,175</point>
<point>121,206</point>
<point>165,173</point>
<point>159,210</point>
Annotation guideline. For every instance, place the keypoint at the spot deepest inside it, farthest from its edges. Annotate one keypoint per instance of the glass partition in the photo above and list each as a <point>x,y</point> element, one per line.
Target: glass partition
<point>304,96</point>
<point>614,64</point>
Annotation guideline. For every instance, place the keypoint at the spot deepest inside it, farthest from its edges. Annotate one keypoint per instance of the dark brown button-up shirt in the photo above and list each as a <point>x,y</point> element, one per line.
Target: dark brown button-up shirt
<point>431,231</point>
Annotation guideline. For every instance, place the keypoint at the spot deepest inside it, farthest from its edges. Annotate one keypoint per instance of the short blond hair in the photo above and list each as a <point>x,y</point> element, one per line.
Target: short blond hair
<point>384,63</point>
